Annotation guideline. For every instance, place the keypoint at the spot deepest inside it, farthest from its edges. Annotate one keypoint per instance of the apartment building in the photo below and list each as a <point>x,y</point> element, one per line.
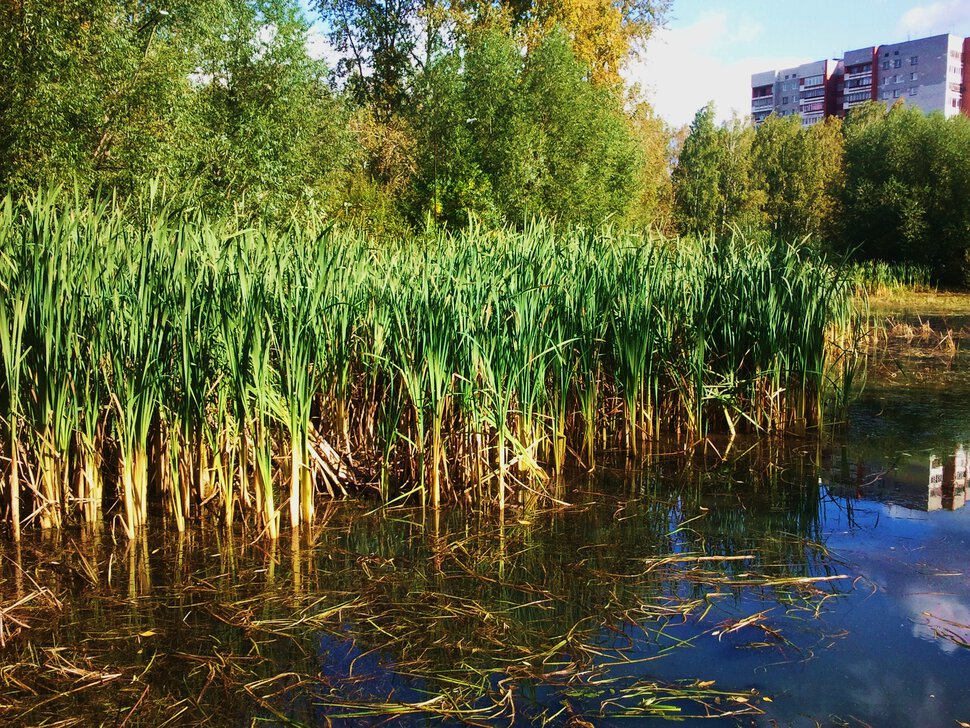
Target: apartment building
<point>929,73</point>
<point>858,75</point>
<point>811,89</point>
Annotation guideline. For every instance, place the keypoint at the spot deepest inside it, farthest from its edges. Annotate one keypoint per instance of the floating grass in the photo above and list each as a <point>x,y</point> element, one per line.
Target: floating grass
<point>566,615</point>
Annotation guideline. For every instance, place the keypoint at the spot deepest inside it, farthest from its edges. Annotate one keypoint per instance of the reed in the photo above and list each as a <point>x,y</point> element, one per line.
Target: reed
<point>219,371</point>
<point>878,278</point>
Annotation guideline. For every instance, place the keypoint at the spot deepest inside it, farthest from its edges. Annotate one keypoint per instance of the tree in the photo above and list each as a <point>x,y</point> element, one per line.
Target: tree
<point>696,178</point>
<point>590,158</point>
<point>602,33</point>
<point>386,42</point>
<point>383,42</point>
<point>907,189</point>
<point>505,137</point>
<point>94,90</point>
<point>798,172</point>
<point>654,140</point>
<point>265,126</point>
<point>712,179</point>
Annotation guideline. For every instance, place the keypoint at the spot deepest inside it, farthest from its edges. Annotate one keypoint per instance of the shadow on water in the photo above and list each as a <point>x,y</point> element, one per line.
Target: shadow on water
<point>778,588</point>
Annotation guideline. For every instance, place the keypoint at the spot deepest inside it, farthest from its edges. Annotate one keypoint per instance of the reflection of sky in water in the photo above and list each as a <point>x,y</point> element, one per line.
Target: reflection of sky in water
<point>360,674</point>
<point>940,618</point>
<point>885,653</point>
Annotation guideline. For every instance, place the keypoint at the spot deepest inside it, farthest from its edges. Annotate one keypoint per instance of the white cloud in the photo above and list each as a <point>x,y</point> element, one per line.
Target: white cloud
<point>319,47</point>
<point>680,69</point>
<point>944,16</point>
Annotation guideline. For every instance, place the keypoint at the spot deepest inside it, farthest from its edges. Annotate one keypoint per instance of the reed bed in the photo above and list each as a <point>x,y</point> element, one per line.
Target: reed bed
<point>162,360</point>
<point>878,278</point>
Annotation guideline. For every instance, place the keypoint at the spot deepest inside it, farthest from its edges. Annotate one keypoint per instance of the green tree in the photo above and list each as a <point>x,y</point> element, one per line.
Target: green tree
<point>798,172</point>
<point>712,184</point>
<point>654,140</point>
<point>94,90</point>
<point>907,189</point>
<point>265,126</point>
<point>505,137</point>
<point>383,43</point>
<point>590,158</point>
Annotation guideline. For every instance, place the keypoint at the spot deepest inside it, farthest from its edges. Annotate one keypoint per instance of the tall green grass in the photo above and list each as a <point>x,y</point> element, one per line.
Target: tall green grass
<point>878,278</point>
<point>167,360</point>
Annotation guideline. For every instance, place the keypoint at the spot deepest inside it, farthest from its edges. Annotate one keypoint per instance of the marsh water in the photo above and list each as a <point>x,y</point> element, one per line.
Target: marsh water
<point>786,583</point>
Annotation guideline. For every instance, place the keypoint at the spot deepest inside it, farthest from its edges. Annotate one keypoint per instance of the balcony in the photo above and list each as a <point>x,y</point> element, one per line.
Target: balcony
<point>858,98</point>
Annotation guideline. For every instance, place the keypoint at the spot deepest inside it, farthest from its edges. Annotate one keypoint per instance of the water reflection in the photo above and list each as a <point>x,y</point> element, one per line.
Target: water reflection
<point>925,481</point>
<point>681,585</point>
<point>456,615</point>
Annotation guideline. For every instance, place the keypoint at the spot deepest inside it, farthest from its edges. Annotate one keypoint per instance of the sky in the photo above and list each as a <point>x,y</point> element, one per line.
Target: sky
<point>709,48</point>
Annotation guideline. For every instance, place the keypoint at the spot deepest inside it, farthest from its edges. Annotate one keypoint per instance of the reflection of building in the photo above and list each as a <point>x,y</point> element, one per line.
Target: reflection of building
<point>929,73</point>
<point>925,483</point>
<point>934,498</point>
<point>954,489</point>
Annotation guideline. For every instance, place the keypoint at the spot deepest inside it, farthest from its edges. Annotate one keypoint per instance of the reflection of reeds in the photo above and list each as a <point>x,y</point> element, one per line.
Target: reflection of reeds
<point>400,613</point>
<point>214,371</point>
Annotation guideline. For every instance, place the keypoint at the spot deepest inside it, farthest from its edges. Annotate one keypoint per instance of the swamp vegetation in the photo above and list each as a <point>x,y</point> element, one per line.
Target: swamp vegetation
<point>626,532</point>
<point>156,360</point>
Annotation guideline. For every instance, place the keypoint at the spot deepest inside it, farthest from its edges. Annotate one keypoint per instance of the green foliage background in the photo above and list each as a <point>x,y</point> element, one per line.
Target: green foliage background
<point>444,113</point>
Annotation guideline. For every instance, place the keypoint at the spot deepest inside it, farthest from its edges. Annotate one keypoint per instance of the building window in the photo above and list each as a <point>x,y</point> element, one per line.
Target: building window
<point>885,95</point>
<point>913,76</point>
<point>913,90</point>
<point>885,64</point>
<point>896,93</point>
<point>914,60</point>
<point>784,99</point>
<point>898,63</point>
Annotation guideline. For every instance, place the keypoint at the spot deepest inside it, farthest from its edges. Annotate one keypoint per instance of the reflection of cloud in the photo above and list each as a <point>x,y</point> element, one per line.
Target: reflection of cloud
<point>681,69</point>
<point>876,691</point>
<point>943,16</point>
<point>936,616</point>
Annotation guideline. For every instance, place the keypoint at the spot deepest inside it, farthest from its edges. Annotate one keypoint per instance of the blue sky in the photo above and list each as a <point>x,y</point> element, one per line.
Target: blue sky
<point>710,48</point>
